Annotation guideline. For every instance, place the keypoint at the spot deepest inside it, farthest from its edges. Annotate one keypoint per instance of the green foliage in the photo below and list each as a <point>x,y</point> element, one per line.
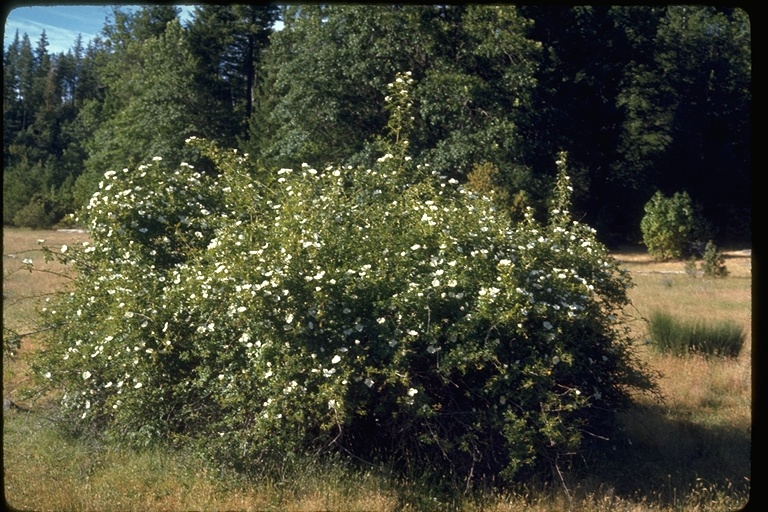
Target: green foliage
<point>36,214</point>
<point>228,40</point>
<point>713,261</point>
<point>327,68</point>
<point>16,194</point>
<point>33,196</point>
<point>383,312</point>
<point>486,179</point>
<point>152,104</point>
<point>670,335</point>
<point>38,112</point>
<point>11,342</point>
<point>630,112</point>
<point>690,266</point>
<point>618,87</point>
<point>671,227</point>
<point>698,55</point>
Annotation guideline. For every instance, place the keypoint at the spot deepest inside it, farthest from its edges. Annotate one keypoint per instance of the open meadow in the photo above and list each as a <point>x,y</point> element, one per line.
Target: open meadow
<point>690,451</point>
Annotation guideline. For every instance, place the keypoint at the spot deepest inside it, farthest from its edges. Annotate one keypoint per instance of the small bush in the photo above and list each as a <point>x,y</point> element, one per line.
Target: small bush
<point>671,228</point>
<point>670,335</point>
<point>690,266</point>
<point>713,262</point>
<point>36,214</point>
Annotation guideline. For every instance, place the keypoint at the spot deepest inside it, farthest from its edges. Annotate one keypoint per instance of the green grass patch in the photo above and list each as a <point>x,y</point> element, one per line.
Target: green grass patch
<point>675,336</point>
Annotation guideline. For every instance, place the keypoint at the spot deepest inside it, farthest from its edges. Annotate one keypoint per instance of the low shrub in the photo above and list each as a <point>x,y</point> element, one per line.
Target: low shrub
<point>671,335</point>
<point>672,228</point>
<point>36,214</point>
<point>713,261</point>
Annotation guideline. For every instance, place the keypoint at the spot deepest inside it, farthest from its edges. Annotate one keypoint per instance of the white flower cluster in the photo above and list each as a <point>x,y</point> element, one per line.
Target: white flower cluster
<point>309,286</point>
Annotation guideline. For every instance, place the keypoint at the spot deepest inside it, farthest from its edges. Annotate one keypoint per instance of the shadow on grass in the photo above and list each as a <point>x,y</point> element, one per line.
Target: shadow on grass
<point>664,460</point>
<point>670,464</point>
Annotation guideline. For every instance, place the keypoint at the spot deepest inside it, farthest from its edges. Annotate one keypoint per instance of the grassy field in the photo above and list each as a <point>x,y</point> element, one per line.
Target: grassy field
<point>690,452</point>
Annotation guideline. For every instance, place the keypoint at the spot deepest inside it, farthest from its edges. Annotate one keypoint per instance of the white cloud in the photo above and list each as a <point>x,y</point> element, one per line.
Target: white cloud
<point>60,23</point>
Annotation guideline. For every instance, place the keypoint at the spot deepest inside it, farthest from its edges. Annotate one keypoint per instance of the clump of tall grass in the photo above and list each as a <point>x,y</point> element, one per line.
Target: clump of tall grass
<point>672,335</point>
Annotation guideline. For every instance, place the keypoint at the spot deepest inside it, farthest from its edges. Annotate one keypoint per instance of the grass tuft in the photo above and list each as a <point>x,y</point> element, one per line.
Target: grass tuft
<point>717,338</point>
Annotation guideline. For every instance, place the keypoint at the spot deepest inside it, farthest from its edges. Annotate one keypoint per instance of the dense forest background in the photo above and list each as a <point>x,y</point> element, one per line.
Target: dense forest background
<point>643,98</point>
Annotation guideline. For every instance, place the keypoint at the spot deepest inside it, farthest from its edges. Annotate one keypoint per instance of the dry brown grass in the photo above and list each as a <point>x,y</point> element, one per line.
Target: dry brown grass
<point>666,287</point>
<point>690,452</point>
<point>22,288</point>
<point>25,291</point>
<point>702,430</point>
<point>49,472</point>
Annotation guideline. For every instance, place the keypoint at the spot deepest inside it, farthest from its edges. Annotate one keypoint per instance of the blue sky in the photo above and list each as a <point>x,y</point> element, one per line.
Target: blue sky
<point>61,22</point>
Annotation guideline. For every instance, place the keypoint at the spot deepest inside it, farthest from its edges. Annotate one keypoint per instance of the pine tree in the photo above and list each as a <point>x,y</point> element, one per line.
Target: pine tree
<point>328,69</point>
<point>228,41</point>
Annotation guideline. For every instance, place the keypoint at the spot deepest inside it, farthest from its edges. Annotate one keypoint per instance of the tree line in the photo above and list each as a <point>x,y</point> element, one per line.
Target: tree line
<point>642,98</point>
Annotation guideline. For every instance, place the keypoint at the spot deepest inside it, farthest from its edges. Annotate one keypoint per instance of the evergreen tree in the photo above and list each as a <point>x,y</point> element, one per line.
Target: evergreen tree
<point>228,41</point>
<point>33,142</point>
<point>688,112</point>
<point>328,70</point>
<point>131,26</point>
<point>26,78</point>
<point>642,98</point>
<point>12,111</point>
<point>120,123</point>
<point>157,107</point>
<point>587,51</point>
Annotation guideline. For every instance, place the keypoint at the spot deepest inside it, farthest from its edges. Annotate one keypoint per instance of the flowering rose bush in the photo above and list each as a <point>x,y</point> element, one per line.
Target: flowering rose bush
<point>383,312</point>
